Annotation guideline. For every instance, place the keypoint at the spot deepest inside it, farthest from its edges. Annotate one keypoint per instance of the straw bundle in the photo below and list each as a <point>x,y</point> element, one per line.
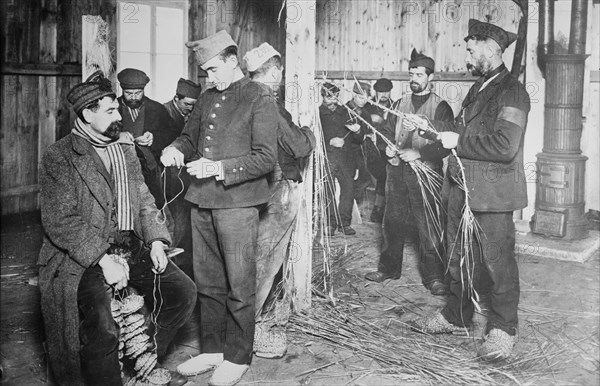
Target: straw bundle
<point>429,181</point>
<point>135,345</point>
<point>95,46</point>
<point>425,359</point>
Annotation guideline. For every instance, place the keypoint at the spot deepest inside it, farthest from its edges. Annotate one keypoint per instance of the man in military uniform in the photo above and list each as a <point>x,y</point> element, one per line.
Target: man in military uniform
<point>232,135</point>
<point>177,180</point>
<point>488,138</point>
<point>278,217</point>
<point>404,201</point>
<point>150,125</point>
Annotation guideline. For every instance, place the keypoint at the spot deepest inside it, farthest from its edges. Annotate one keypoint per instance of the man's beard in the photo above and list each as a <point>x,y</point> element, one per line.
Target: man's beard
<point>480,68</point>
<point>114,130</point>
<point>134,104</point>
<point>331,106</point>
<point>416,87</point>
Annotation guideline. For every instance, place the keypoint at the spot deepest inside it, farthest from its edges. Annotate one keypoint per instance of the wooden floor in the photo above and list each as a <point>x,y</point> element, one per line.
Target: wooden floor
<point>559,309</point>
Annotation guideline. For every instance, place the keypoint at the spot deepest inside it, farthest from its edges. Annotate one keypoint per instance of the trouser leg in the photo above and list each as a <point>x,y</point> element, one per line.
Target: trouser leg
<point>175,295</point>
<point>394,223</point>
<point>98,331</point>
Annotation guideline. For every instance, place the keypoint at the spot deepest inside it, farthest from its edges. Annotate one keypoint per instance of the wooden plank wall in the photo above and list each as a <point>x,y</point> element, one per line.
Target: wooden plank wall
<point>374,38</point>
<point>41,61</point>
<point>249,22</point>
<point>379,35</point>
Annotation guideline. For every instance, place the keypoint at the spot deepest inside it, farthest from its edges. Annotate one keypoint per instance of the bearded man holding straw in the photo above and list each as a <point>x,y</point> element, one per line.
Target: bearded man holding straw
<point>488,137</point>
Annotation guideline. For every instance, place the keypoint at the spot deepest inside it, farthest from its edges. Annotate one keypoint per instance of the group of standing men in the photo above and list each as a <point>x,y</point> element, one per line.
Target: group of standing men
<point>487,137</point>
<point>242,151</point>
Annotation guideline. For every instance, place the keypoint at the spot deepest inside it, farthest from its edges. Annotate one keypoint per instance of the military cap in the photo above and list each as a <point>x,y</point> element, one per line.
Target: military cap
<point>256,57</point>
<point>362,87</point>
<point>95,87</point>
<point>419,60</point>
<point>480,29</point>
<point>209,47</point>
<point>383,85</point>
<point>330,89</point>
<point>188,89</point>
<point>131,78</point>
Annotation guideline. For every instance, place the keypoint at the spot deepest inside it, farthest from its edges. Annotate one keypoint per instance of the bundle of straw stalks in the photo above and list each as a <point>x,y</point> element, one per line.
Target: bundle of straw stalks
<point>429,180</point>
<point>95,46</point>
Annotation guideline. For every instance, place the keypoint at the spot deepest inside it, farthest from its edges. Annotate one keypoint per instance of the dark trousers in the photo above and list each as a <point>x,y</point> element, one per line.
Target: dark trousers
<point>98,331</point>
<point>403,205</point>
<point>179,213</point>
<point>345,177</point>
<point>364,178</point>
<point>494,270</point>
<point>225,248</point>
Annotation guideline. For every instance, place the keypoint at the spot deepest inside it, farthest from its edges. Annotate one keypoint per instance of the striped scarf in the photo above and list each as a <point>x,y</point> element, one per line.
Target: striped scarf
<point>118,170</point>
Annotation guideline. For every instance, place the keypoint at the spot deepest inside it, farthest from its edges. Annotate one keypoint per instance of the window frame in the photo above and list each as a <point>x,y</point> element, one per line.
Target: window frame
<point>150,89</point>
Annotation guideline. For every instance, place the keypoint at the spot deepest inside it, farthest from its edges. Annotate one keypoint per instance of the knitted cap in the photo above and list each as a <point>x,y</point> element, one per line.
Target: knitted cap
<point>95,87</point>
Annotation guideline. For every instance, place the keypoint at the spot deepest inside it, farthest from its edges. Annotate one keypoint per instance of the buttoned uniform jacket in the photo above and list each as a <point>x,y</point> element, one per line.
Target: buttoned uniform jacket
<point>77,200</point>
<point>237,126</point>
<point>492,126</point>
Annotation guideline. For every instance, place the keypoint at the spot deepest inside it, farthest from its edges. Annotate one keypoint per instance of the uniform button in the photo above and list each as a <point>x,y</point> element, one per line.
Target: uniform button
<point>223,97</point>
<point>241,168</point>
<point>211,126</point>
<point>213,115</point>
<point>206,149</point>
<point>217,105</point>
<point>208,138</point>
<point>234,170</point>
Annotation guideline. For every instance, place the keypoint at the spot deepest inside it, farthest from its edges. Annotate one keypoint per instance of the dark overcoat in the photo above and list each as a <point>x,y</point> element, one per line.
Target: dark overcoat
<point>492,126</point>
<point>76,203</point>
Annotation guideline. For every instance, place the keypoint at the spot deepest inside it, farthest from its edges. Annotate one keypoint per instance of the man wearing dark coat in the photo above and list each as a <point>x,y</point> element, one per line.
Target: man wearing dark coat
<point>178,180</point>
<point>149,123</point>
<point>95,205</point>
<point>230,141</point>
<point>405,206</point>
<point>488,138</point>
<point>358,105</point>
<point>376,161</point>
<point>342,139</point>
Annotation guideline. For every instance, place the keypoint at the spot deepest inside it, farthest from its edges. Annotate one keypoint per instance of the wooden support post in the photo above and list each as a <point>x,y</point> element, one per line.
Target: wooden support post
<point>300,57</point>
<point>47,84</point>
